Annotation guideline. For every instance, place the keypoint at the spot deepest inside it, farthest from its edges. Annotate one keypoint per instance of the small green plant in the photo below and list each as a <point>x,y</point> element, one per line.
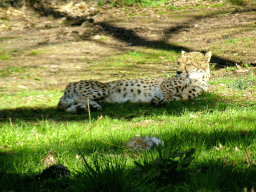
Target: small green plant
<point>103,174</point>
<point>146,3</point>
<point>248,39</point>
<point>113,3</point>
<point>134,53</point>
<point>131,2</point>
<point>100,3</point>
<point>217,5</point>
<point>104,38</point>
<point>9,70</point>
<point>247,65</point>
<point>231,68</point>
<point>243,83</point>
<point>153,2</point>
<point>7,37</point>
<point>34,53</point>
<point>24,77</point>
<point>251,75</point>
<point>239,84</point>
<point>231,40</point>
<point>213,67</point>
<point>5,56</point>
<point>169,168</point>
<point>37,52</point>
<point>172,7</point>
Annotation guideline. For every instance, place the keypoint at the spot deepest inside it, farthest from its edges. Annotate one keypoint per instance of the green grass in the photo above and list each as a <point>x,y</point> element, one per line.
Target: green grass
<point>4,38</point>
<point>31,130</point>
<point>231,40</point>
<point>146,3</point>
<point>242,84</point>
<point>4,55</point>
<point>212,5</point>
<point>146,56</point>
<point>10,70</point>
<point>134,63</point>
<point>220,127</point>
<point>35,53</point>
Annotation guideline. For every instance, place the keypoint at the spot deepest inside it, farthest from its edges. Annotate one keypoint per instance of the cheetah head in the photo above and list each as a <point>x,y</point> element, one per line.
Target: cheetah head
<point>194,65</point>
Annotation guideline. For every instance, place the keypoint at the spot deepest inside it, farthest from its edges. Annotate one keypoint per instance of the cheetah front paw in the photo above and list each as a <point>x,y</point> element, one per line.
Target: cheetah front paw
<point>158,101</point>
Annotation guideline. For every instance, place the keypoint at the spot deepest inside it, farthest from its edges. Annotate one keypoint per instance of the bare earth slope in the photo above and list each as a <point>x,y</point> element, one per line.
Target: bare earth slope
<point>53,46</point>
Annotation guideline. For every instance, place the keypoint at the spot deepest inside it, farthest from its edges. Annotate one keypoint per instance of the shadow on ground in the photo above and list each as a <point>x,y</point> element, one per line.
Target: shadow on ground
<point>212,175</point>
<point>125,111</point>
<point>129,36</point>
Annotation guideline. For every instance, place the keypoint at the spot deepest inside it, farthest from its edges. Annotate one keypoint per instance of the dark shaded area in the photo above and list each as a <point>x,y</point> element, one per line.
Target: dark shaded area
<point>125,111</point>
<point>19,182</point>
<point>210,175</point>
<point>46,11</point>
<point>131,37</point>
<point>53,172</point>
<point>226,176</point>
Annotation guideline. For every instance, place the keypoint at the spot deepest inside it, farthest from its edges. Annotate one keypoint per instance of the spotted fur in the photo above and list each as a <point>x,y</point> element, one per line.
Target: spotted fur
<point>191,79</point>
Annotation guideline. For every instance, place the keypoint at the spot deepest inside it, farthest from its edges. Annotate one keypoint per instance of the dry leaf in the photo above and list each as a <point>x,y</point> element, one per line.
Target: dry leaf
<point>49,159</point>
<point>216,148</point>
<point>248,155</point>
<point>192,116</point>
<point>252,189</point>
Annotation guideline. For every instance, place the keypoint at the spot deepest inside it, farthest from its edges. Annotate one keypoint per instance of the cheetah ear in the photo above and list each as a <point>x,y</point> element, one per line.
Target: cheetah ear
<point>182,53</point>
<point>208,56</point>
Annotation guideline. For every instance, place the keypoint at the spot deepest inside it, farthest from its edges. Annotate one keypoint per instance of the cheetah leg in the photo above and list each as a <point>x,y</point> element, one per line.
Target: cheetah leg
<point>75,108</point>
<point>65,103</point>
<point>78,107</point>
<point>158,99</point>
<point>82,107</point>
<point>84,100</point>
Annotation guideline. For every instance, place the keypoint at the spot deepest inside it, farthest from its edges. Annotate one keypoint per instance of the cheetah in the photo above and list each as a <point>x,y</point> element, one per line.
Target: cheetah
<point>191,80</point>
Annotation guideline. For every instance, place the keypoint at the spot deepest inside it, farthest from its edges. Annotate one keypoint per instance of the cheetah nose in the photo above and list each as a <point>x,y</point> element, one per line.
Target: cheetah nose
<point>179,72</point>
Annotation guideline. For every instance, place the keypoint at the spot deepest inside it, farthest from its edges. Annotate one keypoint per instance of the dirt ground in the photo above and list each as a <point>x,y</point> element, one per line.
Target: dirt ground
<point>57,42</point>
